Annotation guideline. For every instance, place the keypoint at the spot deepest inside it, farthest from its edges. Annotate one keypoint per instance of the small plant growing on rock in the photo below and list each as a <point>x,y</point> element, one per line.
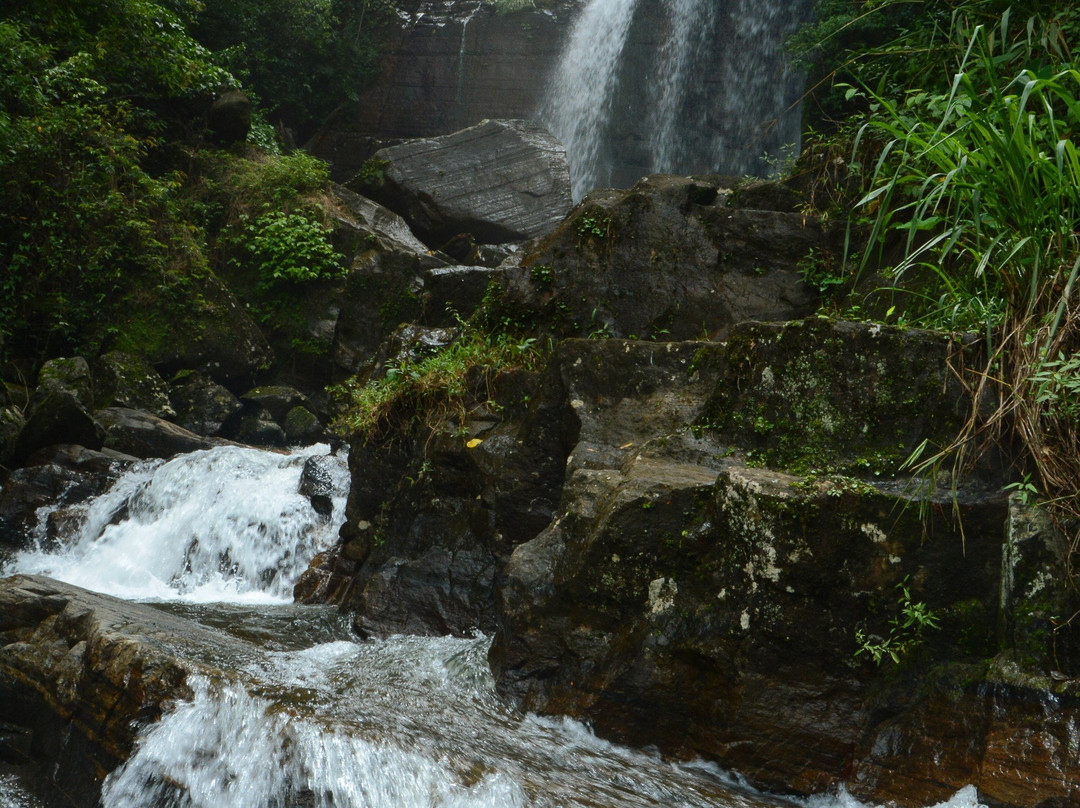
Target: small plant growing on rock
<point>906,629</point>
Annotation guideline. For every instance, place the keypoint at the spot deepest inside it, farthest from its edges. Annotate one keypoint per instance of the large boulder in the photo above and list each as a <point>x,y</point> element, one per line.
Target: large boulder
<point>83,673</point>
<point>127,380</point>
<point>202,405</point>
<point>384,287</point>
<point>214,334</point>
<point>61,479</point>
<point>60,408</point>
<point>669,258</point>
<point>687,595</point>
<point>499,181</point>
<point>143,435</point>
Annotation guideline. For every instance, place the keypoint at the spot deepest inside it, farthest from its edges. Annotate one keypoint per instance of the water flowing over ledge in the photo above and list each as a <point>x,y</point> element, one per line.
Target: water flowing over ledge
<point>290,711</point>
<point>675,86</point>
<point>225,524</point>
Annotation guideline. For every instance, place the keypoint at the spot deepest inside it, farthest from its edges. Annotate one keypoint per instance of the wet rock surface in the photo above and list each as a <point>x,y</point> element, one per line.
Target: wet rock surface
<point>81,673</point>
<point>688,544</point>
<point>144,435</point>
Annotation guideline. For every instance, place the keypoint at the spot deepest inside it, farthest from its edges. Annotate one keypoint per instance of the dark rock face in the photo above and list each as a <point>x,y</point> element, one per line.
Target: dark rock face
<point>84,672</point>
<point>202,405</point>
<point>428,521</point>
<point>215,336</point>
<point>685,597</point>
<point>684,543</point>
<point>451,65</point>
<point>499,181</point>
<point>666,259</point>
<point>229,117</point>
<point>64,477</point>
<point>11,424</point>
<point>275,399</point>
<point>141,434</point>
<point>59,409</point>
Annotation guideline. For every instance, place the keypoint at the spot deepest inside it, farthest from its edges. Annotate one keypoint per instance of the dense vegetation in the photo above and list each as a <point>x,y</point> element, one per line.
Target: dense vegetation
<point>116,197</point>
<point>956,125</point>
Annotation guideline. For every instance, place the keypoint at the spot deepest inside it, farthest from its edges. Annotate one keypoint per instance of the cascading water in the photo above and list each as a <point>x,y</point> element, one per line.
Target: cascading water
<point>578,110</point>
<point>224,524</point>
<point>301,715</point>
<point>680,86</point>
<point>691,23</point>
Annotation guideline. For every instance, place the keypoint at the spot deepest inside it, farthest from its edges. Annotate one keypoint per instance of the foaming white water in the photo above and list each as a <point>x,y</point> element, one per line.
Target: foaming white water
<point>578,108</point>
<point>967,797</point>
<point>227,749</point>
<point>225,524</point>
<point>407,721</point>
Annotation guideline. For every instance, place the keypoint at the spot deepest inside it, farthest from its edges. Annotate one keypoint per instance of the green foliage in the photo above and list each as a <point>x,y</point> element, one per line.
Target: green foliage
<point>291,247</point>
<point>88,224</point>
<point>431,392</point>
<point>301,57</point>
<point>906,629</point>
<point>984,184</point>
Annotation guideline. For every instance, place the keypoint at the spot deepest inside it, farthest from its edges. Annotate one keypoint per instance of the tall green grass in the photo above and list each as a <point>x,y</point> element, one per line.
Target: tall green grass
<point>979,186</point>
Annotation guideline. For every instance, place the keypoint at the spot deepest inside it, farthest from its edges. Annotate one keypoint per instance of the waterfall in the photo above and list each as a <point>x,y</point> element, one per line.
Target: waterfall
<point>678,86</point>
<point>691,22</point>
<point>226,524</point>
<point>578,109</point>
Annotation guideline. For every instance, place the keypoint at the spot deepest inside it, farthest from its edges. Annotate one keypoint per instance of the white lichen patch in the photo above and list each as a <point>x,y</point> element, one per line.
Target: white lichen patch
<point>577,403</point>
<point>744,620</point>
<point>615,558</point>
<point>873,532</point>
<point>768,379</point>
<point>662,592</point>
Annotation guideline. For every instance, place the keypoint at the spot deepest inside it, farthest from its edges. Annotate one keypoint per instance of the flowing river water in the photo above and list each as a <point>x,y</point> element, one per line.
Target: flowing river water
<point>310,717</point>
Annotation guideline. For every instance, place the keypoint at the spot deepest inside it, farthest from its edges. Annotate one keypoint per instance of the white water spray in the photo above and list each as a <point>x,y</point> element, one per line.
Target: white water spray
<point>226,524</point>
<point>578,109</point>
<point>677,86</point>
<point>691,24</point>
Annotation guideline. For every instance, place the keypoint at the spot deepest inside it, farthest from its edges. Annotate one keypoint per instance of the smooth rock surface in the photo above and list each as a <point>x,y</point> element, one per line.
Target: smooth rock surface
<point>499,181</point>
<point>143,435</point>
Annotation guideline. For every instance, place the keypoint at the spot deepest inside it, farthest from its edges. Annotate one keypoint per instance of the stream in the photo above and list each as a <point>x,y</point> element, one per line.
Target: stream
<point>310,717</point>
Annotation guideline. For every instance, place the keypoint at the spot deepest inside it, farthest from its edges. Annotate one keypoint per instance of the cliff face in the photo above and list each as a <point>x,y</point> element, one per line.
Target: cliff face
<point>451,64</point>
<point>702,545</point>
<point>688,86</point>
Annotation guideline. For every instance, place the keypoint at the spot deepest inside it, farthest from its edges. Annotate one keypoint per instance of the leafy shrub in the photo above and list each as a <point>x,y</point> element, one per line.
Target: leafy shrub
<point>291,247</point>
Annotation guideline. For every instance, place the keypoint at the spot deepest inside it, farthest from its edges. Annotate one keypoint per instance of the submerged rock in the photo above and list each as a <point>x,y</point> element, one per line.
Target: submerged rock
<point>499,181</point>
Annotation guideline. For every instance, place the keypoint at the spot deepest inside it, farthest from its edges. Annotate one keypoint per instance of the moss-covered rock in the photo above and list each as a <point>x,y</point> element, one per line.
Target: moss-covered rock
<point>126,380</point>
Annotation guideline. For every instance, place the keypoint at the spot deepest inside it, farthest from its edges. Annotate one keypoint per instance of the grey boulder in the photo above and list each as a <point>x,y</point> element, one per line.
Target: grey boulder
<point>499,181</point>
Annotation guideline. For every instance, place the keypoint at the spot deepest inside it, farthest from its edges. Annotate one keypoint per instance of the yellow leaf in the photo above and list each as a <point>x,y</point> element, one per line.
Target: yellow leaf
<point>474,443</point>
